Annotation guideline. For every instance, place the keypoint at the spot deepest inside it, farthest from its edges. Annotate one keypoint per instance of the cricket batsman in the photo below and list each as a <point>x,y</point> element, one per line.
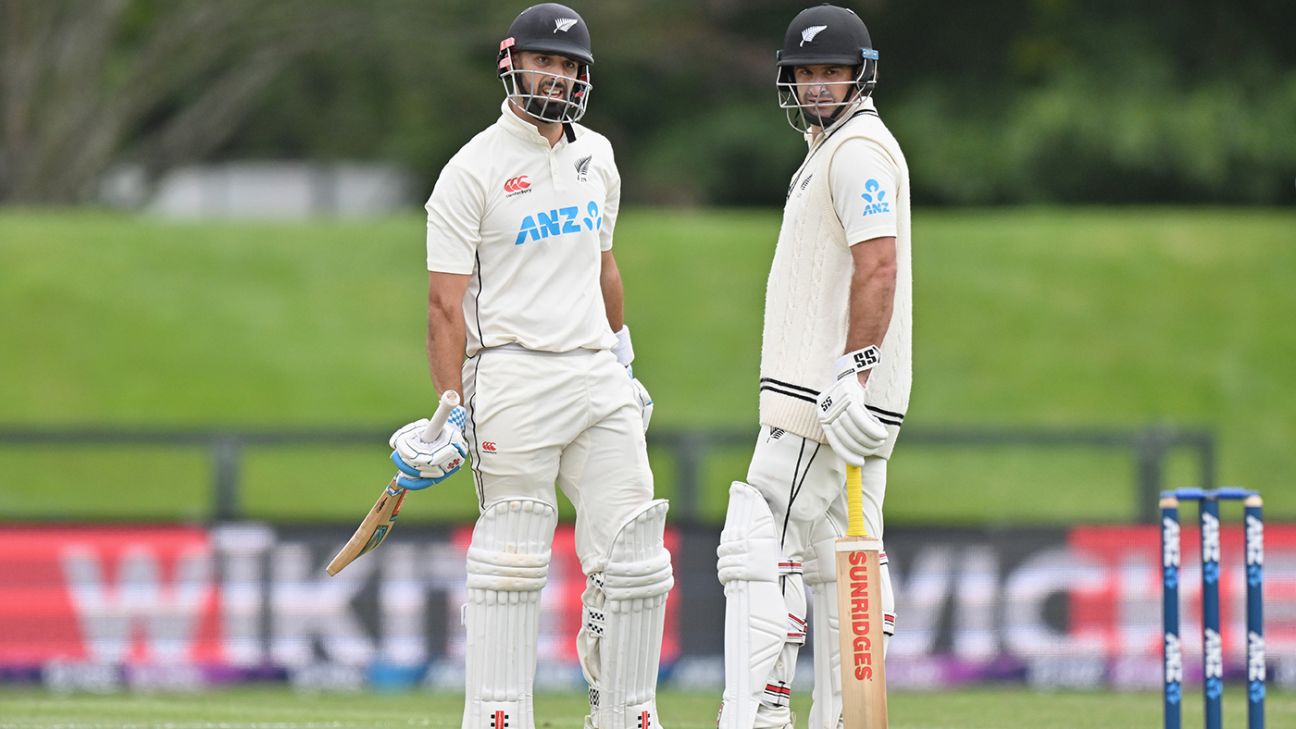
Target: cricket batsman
<point>835,376</point>
<point>525,320</point>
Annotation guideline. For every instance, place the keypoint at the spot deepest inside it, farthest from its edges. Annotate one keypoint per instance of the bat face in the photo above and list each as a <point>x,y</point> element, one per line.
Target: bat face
<point>377,524</point>
<point>859,603</point>
<point>385,511</point>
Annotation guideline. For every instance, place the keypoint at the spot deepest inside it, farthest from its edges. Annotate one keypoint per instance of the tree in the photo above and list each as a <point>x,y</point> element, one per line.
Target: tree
<point>85,84</point>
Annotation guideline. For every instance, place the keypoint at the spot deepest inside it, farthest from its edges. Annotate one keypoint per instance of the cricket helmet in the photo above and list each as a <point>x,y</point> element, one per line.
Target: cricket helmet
<point>825,34</point>
<point>555,29</point>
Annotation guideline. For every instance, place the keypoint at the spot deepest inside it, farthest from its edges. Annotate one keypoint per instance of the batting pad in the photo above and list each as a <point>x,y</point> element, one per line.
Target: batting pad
<point>821,578</point>
<point>756,618</point>
<point>508,564</point>
<point>775,704</point>
<point>625,610</point>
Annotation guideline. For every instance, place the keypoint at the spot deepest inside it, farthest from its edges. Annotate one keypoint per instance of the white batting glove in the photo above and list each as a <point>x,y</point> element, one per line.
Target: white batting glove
<point>425,463</point>
<point>642,397</point>
<point>624,352</point>
<point>853,432</point>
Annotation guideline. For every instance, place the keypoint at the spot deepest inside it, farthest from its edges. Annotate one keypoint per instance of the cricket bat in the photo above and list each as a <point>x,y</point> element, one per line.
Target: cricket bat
<point>859,610</point>
<point>381,519</point>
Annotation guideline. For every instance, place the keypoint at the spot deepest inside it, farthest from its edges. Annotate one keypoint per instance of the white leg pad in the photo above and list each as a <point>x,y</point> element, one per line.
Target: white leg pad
<point>625,612</point>
<point>756,618</point>
<point>775,709</point>
<point>508,564</point>
<point>821,577</point>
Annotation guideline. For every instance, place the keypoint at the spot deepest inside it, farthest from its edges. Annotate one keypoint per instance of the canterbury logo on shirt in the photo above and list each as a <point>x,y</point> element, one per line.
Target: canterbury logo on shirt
<point>559,222</point>
<point>517,184</point>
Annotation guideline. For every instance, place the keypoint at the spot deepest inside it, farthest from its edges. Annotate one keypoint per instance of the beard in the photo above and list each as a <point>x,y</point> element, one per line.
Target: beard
<point>544,106</point>
<point>540,104</point>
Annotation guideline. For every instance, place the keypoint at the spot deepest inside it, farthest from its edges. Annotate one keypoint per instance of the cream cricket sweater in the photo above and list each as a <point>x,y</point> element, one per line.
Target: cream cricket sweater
<point>808,293</point>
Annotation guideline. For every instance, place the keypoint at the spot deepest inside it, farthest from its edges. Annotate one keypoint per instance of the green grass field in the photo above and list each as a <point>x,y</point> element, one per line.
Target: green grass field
<point>276,708</point>
<point>1055,317</point>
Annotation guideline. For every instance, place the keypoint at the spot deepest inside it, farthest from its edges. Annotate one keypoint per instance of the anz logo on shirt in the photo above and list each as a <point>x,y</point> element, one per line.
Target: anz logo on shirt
<point>559,222</point>
<point>875,198</point>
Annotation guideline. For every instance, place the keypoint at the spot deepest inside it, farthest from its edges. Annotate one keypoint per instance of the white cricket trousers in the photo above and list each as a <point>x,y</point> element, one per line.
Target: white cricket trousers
<point>803,482</point>
<point>571,418</point>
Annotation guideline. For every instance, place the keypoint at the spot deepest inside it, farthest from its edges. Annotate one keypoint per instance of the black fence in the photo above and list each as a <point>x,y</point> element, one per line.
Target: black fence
<point>1149,448</point>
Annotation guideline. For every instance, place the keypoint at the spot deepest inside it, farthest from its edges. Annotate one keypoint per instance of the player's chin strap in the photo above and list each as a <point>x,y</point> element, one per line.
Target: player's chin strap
<point>569,132</point>
<point>821,578</point>
<point>508,564</point>
<point>625,611</point>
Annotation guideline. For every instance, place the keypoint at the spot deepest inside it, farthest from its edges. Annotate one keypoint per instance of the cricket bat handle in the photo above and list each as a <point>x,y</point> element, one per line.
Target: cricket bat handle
<point>449,401</point>
<point>855,502</point>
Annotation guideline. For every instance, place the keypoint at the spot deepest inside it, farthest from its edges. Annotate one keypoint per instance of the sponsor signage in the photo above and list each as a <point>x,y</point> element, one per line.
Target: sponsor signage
<point>104,607</point>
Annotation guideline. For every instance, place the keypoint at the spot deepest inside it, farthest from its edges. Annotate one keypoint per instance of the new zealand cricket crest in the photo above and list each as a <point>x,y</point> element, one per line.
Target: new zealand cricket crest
<point>582,168</point>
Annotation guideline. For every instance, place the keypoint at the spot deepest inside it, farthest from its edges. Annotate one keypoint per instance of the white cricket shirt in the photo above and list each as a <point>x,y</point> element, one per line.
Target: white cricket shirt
<point>529,222</point>
<point>852,187</point>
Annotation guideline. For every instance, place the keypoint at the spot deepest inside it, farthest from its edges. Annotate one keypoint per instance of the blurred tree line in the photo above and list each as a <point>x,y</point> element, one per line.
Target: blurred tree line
<point>995,102</point>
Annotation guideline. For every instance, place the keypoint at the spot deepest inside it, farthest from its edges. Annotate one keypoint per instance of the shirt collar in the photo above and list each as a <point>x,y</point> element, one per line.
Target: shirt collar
<point>524,130</point>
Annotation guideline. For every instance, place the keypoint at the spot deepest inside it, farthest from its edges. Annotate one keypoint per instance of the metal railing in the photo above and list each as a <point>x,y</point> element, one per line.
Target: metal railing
<point>1150,446</point>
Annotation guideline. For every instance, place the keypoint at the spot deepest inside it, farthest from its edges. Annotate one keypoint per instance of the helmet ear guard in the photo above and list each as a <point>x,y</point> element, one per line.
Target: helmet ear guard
<point>505,59</point>
<point>868,74</point>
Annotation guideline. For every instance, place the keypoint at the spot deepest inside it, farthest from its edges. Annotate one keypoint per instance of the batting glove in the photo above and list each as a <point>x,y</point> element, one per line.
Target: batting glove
<point>853,432</point>
<point>425,463</point>
<point>624,352</point>
<point>642,398</point>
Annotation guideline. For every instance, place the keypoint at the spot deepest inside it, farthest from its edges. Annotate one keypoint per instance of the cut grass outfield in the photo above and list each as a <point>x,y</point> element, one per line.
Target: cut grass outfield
<point>1055,317</point>
<point>277,708</point>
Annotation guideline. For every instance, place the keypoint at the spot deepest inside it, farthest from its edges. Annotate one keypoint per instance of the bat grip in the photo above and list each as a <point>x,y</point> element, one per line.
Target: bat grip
<point>855,502</point>
<point>449,401</point>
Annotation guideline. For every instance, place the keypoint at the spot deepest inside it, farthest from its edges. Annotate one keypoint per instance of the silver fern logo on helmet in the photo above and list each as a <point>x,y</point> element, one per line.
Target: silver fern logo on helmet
<point>563,24</point>
<point>808,35</point>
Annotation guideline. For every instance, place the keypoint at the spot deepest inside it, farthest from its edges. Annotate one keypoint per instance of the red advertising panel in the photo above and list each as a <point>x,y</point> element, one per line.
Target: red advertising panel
<point>180,606</point>
<point>107,595</point>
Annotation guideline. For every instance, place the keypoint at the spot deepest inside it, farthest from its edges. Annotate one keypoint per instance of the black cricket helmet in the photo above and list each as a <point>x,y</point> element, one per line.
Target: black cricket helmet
<point>825,34</point>
<point>553,29</point>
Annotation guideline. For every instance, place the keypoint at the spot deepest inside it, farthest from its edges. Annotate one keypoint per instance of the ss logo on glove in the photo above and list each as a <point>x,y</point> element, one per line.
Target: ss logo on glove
<point>867,358</point>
